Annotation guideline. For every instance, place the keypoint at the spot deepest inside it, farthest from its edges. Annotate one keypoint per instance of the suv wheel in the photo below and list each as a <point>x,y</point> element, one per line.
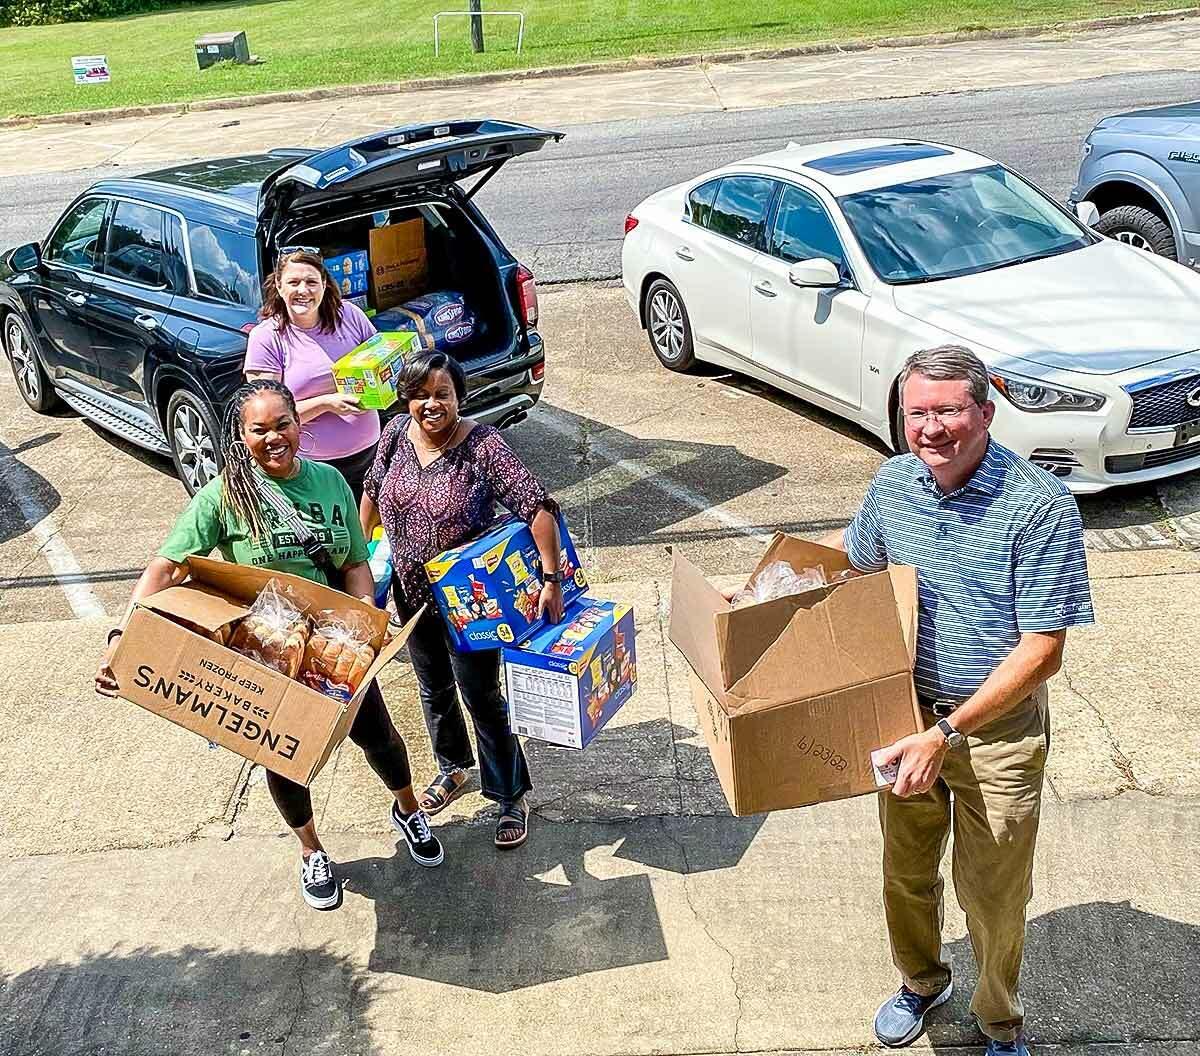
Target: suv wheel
<point>669,327</point>
<point>193,435</point>
<point>34,385</point>
<point>1140,228</point>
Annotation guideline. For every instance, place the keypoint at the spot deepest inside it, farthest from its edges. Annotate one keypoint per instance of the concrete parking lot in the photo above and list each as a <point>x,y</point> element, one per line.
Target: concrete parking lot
<point>642,917</point>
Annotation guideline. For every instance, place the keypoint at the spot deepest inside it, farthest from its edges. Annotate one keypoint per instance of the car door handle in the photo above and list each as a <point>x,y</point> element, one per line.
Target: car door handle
<point>146,322</point>
<point>683,253</point>
<point>765,289</point>
<point>77,299</point>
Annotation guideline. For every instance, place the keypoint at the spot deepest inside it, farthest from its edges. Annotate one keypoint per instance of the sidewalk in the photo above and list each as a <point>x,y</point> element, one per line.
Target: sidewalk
<point>158,911</point>
<point>1053,58</point>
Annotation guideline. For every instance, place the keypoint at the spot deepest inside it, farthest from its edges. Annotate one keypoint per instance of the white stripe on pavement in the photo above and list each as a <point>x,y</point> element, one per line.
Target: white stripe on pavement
<point>638,470</point>
<point>18,480</point>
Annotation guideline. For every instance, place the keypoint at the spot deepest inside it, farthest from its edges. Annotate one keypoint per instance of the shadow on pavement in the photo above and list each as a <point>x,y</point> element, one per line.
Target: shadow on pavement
<point>639,502</point>
<point>638,774</point>
<point>16,478</point>
<point>498,922</point>
<point>181,1002</point>
<point>1100,972</point>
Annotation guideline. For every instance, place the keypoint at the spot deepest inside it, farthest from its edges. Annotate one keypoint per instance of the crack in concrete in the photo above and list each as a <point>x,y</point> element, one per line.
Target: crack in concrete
<point>1122,762</point>
<point>302,996</point>
<point>703,68</point>
<point>704,926</point>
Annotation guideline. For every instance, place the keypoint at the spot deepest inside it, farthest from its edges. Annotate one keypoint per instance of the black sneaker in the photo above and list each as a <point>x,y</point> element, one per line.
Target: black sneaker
<point>901,1018</point>
<point>423,845</point>
<point>319,883</point>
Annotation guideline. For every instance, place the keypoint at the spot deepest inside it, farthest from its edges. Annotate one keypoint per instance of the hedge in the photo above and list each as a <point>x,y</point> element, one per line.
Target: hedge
<point>48,12</point>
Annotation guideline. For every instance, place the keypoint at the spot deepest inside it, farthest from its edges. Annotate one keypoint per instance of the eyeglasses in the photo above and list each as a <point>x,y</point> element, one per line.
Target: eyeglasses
<point>941,415</point>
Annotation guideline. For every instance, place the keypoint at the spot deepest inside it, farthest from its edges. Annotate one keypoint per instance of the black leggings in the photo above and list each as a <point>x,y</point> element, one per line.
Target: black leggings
<point>374,732</point>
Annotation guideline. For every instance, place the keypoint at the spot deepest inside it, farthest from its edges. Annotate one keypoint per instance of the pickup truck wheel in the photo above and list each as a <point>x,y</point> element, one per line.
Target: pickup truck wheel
<point>32,382</point>
<point>194,437</point>
<point>669,327</point>
<point>1140,228</point>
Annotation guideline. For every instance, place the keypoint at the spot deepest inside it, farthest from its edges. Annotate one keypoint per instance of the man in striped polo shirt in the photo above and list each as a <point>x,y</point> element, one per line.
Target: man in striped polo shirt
<point>1001,574</point>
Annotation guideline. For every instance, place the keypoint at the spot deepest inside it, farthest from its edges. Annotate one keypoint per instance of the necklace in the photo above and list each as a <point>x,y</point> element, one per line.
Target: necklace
<point>445,443</point>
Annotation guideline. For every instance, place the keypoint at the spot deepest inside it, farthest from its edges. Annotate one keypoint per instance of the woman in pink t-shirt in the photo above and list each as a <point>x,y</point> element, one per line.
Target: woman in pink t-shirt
<point>306,328</point>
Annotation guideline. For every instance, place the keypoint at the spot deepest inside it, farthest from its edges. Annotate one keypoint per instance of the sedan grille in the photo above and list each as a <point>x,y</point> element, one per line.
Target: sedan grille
<point>1167,403</point>
<point>1167,456</point>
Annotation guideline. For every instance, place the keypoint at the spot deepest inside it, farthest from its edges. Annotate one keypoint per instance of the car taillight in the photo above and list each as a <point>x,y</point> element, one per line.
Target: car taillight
<point>631,222</point>
<point>539,371</point>
<point>527,293</point>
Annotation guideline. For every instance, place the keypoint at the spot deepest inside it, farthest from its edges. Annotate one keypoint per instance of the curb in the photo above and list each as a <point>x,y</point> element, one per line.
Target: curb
<point>466,80</point>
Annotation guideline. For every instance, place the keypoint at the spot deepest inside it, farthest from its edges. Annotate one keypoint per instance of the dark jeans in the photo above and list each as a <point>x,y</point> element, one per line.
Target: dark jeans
<point>503,772</point>
<point>374,732</point>
<point>355,468</point>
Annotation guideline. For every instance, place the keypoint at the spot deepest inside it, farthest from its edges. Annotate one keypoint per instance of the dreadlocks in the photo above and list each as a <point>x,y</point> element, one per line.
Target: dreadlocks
<point>239,494</point>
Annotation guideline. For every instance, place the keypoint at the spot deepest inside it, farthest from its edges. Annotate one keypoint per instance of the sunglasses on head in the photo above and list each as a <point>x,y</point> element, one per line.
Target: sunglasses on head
<point>287,251</point>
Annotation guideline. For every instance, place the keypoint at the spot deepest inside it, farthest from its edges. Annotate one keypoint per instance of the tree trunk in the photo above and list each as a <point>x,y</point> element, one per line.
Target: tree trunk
<point>476,26</point>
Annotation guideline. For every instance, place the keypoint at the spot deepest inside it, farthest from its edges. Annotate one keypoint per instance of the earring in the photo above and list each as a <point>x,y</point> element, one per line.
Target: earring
<point>304,450</point>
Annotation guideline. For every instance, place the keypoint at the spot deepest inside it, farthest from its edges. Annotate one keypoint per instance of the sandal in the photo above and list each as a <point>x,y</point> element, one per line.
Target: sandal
<point>442,789</point>
<point>513,826</point>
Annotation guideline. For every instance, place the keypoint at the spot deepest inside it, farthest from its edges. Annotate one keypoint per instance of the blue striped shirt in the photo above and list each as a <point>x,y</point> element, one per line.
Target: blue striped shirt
<point>1000,556</point>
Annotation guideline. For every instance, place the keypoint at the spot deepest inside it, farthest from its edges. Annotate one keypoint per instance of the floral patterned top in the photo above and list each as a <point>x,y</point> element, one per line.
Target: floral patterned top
<point>453,499</point>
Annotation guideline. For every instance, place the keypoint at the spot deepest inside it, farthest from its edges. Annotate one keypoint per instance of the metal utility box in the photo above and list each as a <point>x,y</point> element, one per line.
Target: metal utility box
<point>221,47</point>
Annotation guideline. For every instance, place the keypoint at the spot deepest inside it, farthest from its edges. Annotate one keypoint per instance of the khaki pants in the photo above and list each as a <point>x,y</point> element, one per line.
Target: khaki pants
<point>996,781</point>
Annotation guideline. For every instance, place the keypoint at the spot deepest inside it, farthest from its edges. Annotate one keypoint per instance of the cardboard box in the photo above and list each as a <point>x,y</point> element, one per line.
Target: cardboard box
<point>794,694</point>
<point>351,271</point>
<point>371,370</point>
<point>399,270</point>
<point>568,679</point>
<point>487,589</point>
<point>226,697</point>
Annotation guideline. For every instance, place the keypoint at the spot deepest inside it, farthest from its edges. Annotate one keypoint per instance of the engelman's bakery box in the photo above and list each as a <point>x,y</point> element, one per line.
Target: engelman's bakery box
<point>488,588</point>
<point>226,697</point>
<point>794,694</point>
<point>568,679</point>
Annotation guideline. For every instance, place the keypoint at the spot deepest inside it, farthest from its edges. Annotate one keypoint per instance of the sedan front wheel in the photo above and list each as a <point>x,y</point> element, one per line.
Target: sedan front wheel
<point>669,327</point>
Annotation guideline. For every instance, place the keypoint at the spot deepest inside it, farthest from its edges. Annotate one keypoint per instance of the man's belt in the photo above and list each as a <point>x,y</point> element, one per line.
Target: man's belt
<point>942,708</point>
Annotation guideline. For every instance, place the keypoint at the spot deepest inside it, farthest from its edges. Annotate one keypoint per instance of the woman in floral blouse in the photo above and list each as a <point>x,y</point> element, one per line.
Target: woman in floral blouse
<point>435,483</point>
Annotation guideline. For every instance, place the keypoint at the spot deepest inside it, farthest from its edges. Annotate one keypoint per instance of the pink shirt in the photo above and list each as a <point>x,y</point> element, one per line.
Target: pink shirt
<point>303,359</point>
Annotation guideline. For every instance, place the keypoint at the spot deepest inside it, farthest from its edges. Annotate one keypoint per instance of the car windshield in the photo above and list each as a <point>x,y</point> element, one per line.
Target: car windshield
<point>958,224</point>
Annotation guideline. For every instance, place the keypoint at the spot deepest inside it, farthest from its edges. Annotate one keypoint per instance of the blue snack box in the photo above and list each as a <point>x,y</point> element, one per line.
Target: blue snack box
<point>349,271</point>
<point>487,589</point>
<point>567,680</point>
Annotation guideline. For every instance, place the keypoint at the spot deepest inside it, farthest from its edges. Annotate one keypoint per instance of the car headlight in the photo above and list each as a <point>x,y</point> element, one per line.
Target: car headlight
<point>1037,396</point>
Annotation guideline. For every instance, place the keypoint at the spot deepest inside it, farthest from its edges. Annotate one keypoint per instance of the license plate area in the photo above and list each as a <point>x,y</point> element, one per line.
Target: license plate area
<point>1186,432</point>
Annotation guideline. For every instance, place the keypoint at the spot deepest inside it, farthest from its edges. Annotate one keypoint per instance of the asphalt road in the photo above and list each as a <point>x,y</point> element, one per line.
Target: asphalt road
<point>562,211</point>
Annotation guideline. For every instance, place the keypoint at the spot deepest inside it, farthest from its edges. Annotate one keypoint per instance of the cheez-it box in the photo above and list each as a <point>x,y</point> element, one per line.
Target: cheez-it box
<point>568,679</point>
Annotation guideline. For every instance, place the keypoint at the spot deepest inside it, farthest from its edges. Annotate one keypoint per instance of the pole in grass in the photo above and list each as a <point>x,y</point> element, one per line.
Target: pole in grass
<point>476,26</point>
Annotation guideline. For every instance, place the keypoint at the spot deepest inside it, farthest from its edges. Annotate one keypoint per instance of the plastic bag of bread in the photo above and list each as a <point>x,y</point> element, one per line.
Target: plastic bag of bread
<point>221,635</point>
<point>778,580</point>
<point>338,654</point>
<point>274,631</point>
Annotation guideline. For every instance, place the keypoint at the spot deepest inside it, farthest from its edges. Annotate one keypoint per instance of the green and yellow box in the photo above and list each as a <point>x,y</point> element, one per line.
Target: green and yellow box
<point>372,370</point>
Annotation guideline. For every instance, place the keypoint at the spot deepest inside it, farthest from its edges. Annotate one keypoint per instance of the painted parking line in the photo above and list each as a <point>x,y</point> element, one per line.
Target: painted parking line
<point>20,483</point>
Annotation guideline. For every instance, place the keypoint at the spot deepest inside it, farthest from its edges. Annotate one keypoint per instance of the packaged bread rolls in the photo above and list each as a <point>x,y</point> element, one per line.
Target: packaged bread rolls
<point>338,654</point>
<point>274,632</point>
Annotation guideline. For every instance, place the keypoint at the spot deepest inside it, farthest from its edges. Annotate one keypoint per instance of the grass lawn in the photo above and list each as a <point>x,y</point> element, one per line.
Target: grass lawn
<point>313,43</point>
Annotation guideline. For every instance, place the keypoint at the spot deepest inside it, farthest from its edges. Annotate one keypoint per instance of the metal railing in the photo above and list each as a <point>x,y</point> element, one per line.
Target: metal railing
<point>437,43</point>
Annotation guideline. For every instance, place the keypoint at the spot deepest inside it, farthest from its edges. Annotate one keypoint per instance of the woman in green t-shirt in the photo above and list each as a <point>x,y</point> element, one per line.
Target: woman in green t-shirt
<point>260,441</point>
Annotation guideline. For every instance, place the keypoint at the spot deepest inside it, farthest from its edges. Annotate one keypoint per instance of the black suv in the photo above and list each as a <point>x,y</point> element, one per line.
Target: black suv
<point>136,308</point>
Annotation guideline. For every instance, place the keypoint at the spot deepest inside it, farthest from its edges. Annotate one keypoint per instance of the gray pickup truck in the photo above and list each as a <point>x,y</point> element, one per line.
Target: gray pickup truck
<point>1142,172</point>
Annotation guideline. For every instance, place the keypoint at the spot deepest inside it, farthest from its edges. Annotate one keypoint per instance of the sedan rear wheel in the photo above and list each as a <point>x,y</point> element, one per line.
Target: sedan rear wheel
<point>34,386</point>
<point>193,434</point>
<point>1139,228</point>
<point>669,327</point>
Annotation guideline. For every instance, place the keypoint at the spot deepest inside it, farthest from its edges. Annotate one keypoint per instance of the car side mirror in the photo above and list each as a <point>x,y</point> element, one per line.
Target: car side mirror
<point>1088,214</point>
<point>25,258</point>
<point>816,272</point>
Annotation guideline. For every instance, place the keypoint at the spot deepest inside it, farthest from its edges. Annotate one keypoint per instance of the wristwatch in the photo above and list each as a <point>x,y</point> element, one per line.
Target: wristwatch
<point>954,739</point>
<point>552,577</point>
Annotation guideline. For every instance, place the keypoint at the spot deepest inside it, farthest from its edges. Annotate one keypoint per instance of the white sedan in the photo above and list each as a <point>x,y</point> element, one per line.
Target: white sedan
<point>818,269</point>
